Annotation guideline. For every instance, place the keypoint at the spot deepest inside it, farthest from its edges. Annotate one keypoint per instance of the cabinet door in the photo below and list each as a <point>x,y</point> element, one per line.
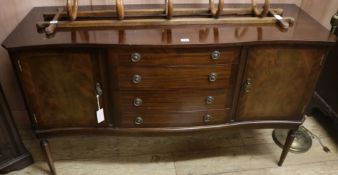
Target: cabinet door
<point>60,88</point>
<point>278,82</point>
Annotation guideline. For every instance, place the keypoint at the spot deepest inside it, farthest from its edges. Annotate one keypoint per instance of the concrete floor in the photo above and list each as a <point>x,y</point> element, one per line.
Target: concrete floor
<point>230,152</point>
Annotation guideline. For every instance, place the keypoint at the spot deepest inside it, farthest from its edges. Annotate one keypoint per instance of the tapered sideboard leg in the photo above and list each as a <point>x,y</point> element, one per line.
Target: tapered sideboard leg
<point>287,145</point>
<point>46,150</point>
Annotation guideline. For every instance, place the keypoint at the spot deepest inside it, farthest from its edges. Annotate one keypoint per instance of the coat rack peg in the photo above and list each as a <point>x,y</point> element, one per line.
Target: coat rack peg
<point>259,13</point>
<point>120,9</point>
<point>216,11</point>
<point>169,9</point>
<point>52,26</point>
<point>119,17</point>
<point>72,9</point>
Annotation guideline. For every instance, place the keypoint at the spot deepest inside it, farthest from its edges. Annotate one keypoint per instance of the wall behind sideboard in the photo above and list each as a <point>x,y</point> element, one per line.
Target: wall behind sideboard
<point>13,11</point>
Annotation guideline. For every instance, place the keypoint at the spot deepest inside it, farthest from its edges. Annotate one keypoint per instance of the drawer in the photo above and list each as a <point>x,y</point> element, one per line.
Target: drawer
<point>161,78</point>
<point>186,56</point>
<point>180,100</point>
<point>159,118</point>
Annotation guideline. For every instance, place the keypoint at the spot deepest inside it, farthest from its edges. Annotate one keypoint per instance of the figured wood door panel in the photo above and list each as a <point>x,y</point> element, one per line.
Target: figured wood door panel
<point>282,81</point>
<point>60,88</point>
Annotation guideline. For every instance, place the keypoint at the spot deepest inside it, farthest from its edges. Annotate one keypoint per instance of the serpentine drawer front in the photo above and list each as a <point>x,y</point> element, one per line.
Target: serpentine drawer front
<point>181,100</point>
<point>134,81</point>
<point>186,56</point>
<point>158,118</point>
<point>174,87</point>
<point>155,78</point>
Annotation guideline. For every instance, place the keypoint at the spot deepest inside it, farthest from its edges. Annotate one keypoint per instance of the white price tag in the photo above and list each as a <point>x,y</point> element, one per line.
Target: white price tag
<point>185,40</point>
<point>100,115</point>
<point>53,22</point>
<point>278,17</point>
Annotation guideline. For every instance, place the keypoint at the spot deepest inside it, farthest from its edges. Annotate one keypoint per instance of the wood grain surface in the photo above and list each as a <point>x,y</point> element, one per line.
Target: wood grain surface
<point>161,78</point>
<point>60,88</point>
<point>155,118</point>
<point>181,100</point>
<point>186,56</point>
<point>283,79</point>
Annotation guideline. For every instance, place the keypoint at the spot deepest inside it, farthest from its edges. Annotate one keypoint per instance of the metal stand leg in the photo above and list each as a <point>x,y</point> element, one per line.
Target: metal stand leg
<point>46,150</point>
<point>287,145</point>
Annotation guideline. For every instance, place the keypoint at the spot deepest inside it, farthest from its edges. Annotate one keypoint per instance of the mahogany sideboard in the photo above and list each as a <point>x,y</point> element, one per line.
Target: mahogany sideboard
<point>168,79</point>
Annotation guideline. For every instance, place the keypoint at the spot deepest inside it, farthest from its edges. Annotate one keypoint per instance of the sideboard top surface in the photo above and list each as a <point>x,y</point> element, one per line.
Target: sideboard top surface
<point>306,30</point>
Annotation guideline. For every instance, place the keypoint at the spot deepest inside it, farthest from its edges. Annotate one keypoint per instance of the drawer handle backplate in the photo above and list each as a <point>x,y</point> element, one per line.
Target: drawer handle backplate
<point>212,77</point>
<point>209,100</point>
<point>207,118</point>
<point>138,121</point>
<point>135,57</point>
<point>137,79</point>
<point>215,55</point>
<point>138,102</point>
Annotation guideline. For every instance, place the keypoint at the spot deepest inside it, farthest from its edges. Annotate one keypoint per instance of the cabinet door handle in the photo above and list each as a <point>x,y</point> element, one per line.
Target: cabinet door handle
<point>212,77</point>
<point>247,85</point>
<point>98,89</point>
<point>99,92</point>
<point>136,79</point>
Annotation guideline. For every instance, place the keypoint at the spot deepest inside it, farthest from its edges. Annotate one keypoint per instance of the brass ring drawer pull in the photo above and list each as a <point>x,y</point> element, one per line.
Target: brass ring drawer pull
<point>138,102</point>
<point>207,118</point>
<point>138,121</point>
<point>137,79</point>
<point>135,57</point>
<point>215,55</point>
<point>209,100</point>
<point>212,77</point>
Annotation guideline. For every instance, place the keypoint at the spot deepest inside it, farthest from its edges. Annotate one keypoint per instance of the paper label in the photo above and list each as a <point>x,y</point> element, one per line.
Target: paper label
<point>185,40</point>
<point>53,22</point>
<point>100,115</point>
<point>278,17</point>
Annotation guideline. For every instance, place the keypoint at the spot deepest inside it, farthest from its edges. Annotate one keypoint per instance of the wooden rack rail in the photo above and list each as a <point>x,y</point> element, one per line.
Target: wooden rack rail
<point>121,18</point>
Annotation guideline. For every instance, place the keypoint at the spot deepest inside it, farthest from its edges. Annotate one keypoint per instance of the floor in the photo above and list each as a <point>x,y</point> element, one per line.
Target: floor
<point>232,152</point>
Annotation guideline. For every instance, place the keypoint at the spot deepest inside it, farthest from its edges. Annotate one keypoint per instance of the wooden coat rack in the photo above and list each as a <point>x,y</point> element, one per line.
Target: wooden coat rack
<point>121,18</point>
